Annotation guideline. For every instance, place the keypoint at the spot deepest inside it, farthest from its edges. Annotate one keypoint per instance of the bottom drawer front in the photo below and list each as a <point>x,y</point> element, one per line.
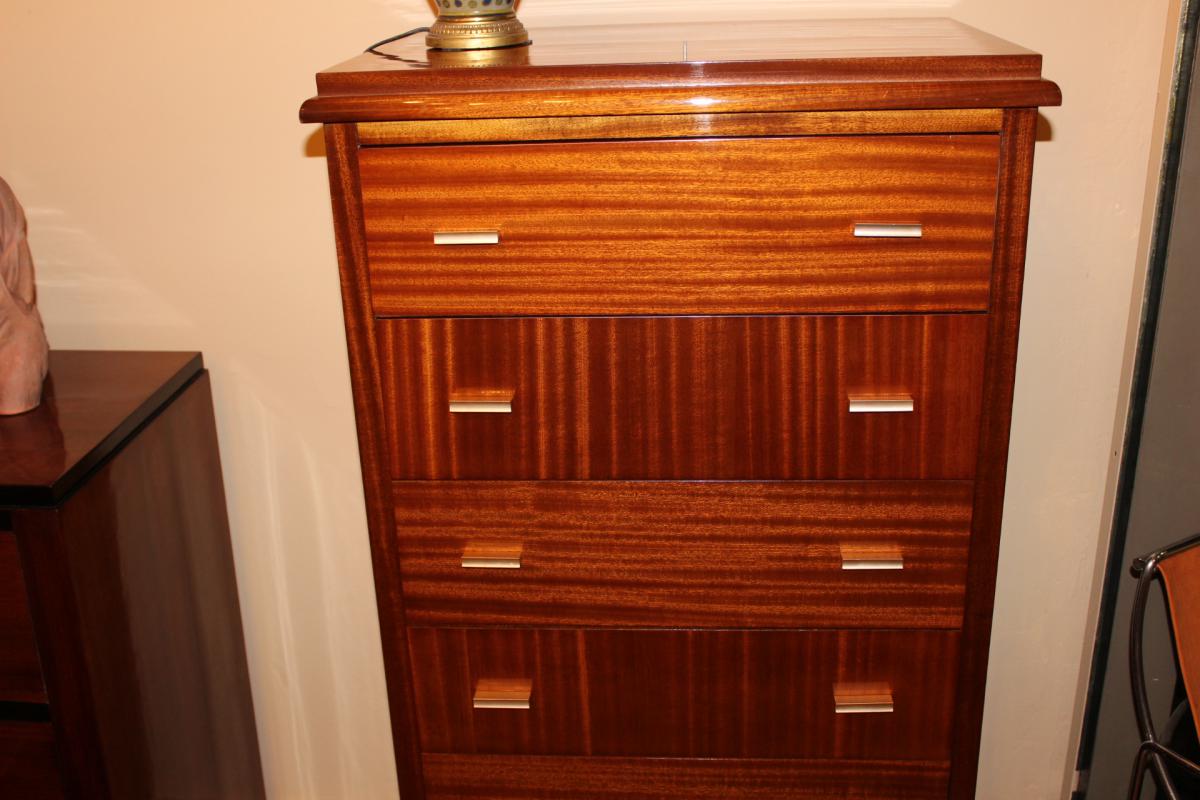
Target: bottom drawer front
<point>689,694</point>
<point>451,777</point>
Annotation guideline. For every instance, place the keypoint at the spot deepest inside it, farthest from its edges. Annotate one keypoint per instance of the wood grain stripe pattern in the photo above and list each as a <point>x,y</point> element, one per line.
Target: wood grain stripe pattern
<point>457,777</point>
<point>673,227</point>
<point>614,554</point>
<point>814,123</point>
<point>686,693</point>
<point>711,398</point>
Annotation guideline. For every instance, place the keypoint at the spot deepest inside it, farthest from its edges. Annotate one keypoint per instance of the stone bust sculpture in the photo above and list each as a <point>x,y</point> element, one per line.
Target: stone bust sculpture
<point>24,353</point>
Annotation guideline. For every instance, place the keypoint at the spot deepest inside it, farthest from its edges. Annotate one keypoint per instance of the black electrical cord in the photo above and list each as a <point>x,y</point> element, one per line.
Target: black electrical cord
<point>395,38</point>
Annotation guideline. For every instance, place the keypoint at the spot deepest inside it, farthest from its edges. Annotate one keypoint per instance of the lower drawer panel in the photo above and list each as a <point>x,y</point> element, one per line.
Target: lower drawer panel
<point>449,777</point>
<point>686,693</point>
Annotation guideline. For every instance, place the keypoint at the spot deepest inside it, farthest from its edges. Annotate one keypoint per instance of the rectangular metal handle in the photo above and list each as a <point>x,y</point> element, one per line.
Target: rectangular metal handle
<point>870,557</point>
<point>478,555</point>
<point>880,404</point>
<point>513,693</point>
<point>457,238</point>
<point>863,698</point>
<point>882,230</point>
<point>481,402</point>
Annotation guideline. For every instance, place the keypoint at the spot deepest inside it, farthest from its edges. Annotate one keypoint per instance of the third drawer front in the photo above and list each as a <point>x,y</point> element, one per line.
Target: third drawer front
<point>796,398</point>
<point>704,554</point>
<point>686,693</point>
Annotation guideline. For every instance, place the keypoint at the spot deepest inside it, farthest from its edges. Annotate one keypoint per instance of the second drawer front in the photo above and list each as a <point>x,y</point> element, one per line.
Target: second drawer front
<point>812,398</point>
<point>785,555</point>
<point>697,694</point>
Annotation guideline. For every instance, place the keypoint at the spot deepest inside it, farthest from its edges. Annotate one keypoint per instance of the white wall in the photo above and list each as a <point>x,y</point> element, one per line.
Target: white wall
<point>173,203</point>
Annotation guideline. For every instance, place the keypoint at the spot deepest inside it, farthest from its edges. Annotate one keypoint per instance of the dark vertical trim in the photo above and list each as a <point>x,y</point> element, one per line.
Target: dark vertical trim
<point>1008,272</point>
<point>55,609</point>
<point>341,142</point>
<point>1144,355</point>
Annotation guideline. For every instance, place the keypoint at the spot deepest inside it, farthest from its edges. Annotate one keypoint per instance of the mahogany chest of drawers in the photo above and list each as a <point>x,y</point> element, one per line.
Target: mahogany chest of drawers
<point>683,362</point>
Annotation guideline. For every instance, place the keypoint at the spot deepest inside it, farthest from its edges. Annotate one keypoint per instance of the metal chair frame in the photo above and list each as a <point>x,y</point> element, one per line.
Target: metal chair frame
<point>1152,754</point>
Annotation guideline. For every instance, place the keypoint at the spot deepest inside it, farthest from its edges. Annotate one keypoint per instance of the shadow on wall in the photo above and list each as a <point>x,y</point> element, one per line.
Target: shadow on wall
<point>292,548</point>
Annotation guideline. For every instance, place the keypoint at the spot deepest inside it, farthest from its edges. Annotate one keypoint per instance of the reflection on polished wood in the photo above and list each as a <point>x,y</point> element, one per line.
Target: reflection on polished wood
<point>817,65</point>
<point>88,409</point>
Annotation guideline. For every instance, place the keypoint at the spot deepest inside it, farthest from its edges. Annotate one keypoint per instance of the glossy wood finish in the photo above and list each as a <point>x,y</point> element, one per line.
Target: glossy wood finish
<point>767,66</point>
<point>684,398</point>
<point>458,777</point>
<point>684,554</point>
<point>714,226</point>
<point>136,611</point>
<point>28,768</point>
<point>815,123</point>
<point>89,407</point>
<point>690,694</point>
<point>20,669</point>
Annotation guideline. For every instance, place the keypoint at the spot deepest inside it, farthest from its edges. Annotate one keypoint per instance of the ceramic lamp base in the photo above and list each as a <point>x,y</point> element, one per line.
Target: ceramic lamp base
<point>478,32</point>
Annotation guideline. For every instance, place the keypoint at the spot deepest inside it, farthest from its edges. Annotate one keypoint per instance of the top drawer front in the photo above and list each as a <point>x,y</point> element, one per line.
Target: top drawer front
<point>718,226</point>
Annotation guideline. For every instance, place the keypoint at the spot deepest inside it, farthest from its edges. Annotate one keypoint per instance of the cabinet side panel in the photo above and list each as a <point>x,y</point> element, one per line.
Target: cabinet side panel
<point>151,566</point>
<point>1016,166</point>
<point>341,143</point>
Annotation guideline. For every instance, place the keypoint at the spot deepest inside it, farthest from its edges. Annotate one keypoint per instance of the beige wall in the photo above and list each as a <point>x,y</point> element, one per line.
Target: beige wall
<point>173,204</point>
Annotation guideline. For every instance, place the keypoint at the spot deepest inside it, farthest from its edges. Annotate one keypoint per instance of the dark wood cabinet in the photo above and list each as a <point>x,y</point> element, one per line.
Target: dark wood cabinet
<point>123,671</point>
<point>683,361</point>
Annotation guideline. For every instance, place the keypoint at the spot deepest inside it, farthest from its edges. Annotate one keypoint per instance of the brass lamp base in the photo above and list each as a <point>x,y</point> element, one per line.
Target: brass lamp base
<point>477,32</point>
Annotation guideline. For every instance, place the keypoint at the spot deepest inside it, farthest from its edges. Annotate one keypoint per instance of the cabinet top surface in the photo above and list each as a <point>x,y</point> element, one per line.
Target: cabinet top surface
<point>93,401</point>
<point>968,67</point>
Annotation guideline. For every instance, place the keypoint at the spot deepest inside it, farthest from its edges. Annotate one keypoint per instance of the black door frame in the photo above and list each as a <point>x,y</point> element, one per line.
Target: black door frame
<point>1185,63</point>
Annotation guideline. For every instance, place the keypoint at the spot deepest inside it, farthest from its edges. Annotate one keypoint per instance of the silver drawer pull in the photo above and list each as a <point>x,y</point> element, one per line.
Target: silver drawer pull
<point>863,698</point>
<point>481,402</point>
<point>512,693</point>
<point>862,557</point>
<point>880,230</point>
<point>454,238</point>
<point>881,404</point>
<point>491,556</point>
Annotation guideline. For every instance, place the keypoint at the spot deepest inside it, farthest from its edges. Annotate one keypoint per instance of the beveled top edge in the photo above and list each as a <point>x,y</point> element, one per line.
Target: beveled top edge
<point>814,65</point>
